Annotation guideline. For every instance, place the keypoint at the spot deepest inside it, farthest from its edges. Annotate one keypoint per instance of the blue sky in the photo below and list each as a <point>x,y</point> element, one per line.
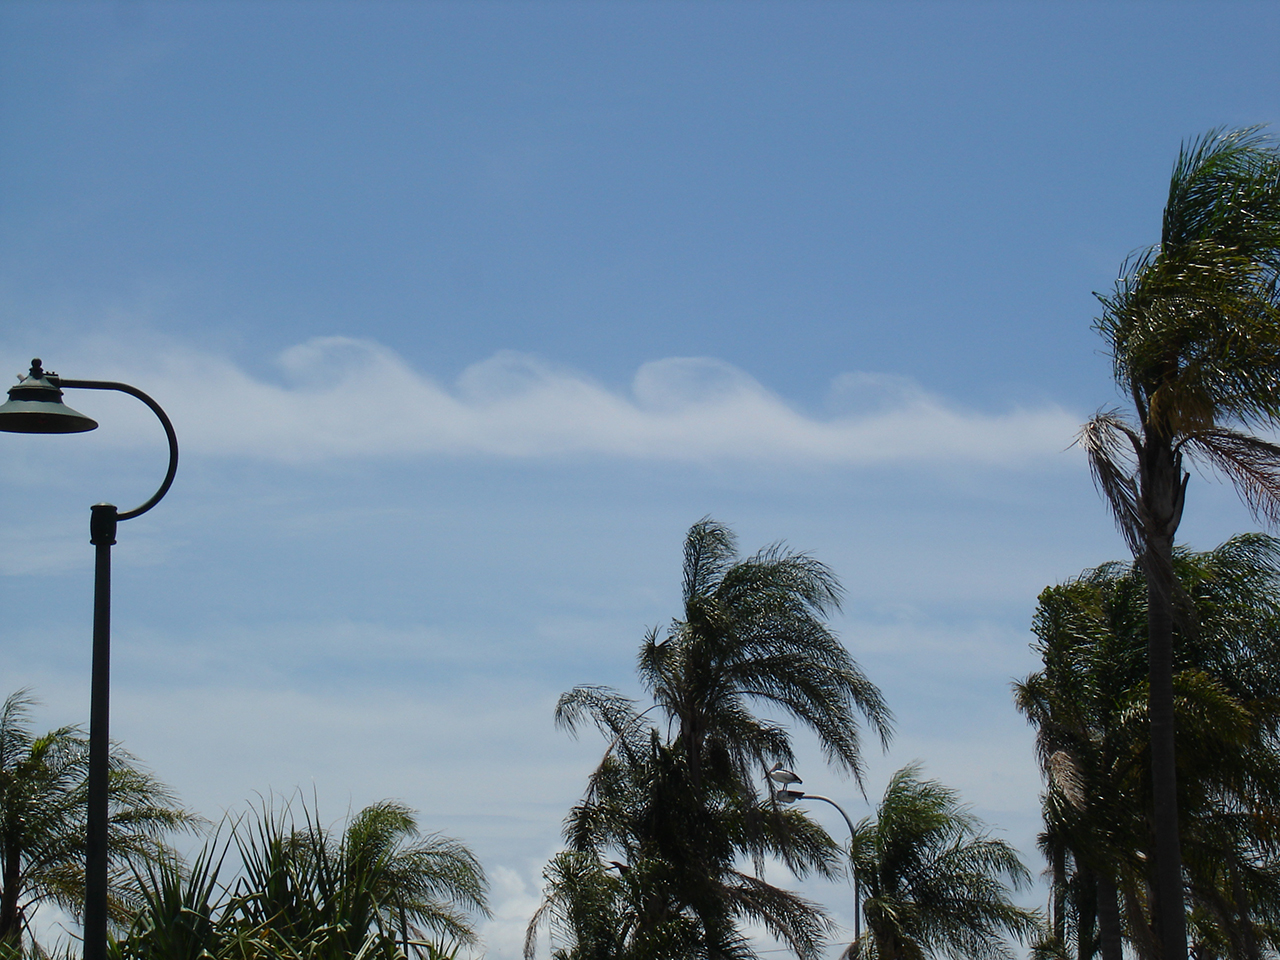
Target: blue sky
<point>464,312</point>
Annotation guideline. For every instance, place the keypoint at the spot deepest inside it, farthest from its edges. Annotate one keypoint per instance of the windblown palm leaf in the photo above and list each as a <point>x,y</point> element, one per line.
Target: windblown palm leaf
<point>754,633</point>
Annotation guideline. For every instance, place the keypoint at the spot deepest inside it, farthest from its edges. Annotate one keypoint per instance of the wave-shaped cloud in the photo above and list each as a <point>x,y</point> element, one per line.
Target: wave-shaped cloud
<point>338,397</point>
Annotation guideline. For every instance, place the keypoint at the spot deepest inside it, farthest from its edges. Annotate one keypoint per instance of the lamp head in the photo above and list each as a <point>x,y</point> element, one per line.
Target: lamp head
<point>35,406</point>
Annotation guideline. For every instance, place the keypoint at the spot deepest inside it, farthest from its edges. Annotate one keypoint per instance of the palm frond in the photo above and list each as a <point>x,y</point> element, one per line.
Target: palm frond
<point>791,919</point>
<point>1112,446</point>
<point>1221,187</point>
<point>1252,465</point>
<point>710,548</point>
<point>43,807</point>
<point>1192,324</point>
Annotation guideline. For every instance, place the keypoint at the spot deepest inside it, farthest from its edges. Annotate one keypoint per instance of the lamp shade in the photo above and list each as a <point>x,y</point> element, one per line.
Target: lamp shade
<point>35,406</point>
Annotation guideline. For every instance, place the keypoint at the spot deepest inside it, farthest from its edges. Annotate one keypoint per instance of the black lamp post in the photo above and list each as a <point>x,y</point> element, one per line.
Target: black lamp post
<point>35,406</point>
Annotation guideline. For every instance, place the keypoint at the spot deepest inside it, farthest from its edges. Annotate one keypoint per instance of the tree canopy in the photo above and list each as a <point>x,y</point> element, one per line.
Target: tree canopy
<point>1089,706</point>
<point>935,883</point>
<point>657,843</point>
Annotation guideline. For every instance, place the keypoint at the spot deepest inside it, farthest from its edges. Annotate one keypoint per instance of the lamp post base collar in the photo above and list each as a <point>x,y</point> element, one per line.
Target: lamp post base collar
<point>102,524</point>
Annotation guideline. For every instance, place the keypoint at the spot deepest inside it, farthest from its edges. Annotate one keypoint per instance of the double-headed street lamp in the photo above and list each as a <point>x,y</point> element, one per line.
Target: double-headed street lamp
<point>781,782</point>
<point>35,406</point>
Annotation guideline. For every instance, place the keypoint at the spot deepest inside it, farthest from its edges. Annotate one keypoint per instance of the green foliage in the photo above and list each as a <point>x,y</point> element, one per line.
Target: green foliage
<point>1193,327</point>
<point>43,809</point>
<point>754,632</point>
<point>653,869</point>
<point>934,883</point>
<point>1089,706</point>
<point>176,918</point>
<point>376,890</point>
<point>1193,322</point>
<point>677,891</point>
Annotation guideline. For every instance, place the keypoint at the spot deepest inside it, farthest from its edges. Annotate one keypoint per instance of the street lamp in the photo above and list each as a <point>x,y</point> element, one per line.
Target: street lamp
<point>35,406</point>
<point>780,788</point>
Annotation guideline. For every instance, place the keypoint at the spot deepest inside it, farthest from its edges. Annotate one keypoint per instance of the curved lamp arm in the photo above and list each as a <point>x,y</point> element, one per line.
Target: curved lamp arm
<point>849,823</point>
<point>780,790</point>
<point>164,421</point>
<point>857,891</point>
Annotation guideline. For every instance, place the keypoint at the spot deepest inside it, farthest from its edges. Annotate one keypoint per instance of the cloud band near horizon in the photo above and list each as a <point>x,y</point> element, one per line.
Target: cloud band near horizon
<point>339,397</point>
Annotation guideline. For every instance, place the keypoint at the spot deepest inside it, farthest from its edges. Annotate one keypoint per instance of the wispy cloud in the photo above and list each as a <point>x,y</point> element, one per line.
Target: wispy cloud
<point>337,397</point>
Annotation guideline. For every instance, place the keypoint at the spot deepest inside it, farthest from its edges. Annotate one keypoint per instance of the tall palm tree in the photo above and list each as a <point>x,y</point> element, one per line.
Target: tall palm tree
<point>1089,706</point>
<point>1193,327</point>
<point>754,633</point>
<point>677,803</point>
<point>677,892</point>
<point>43,809</point>
<point>935,883</point>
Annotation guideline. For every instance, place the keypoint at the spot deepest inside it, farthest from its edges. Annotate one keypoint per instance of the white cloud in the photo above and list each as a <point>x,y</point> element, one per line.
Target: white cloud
<point>339,398</point>
<point>514,899</point>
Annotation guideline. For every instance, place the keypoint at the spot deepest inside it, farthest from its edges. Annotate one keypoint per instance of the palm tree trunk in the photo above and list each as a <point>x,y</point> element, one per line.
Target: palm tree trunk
<point>1060,893</point>
<point>1170,919</point>
<point>1249,949</point>
<point>691,735</point>
<point>1109,919</point>
<point>10,921</point>
<point>1086,897</point>
<point>1163,489</point>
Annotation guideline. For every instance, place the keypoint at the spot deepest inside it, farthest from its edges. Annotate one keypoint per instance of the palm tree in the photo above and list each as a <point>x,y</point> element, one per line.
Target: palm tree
<point>378,876</point>
<point>1193,327</point>
<point>935,883</point>
<point>377,889</point>
<point>43,810</point>
<point>677,890</point>
<point>676,812</point>
<point>754,632</point>
<point>586,907</point>
<point>1089,706</point>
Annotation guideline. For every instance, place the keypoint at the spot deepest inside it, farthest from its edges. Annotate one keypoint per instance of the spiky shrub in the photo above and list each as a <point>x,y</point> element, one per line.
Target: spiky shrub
<point>377,889</point>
